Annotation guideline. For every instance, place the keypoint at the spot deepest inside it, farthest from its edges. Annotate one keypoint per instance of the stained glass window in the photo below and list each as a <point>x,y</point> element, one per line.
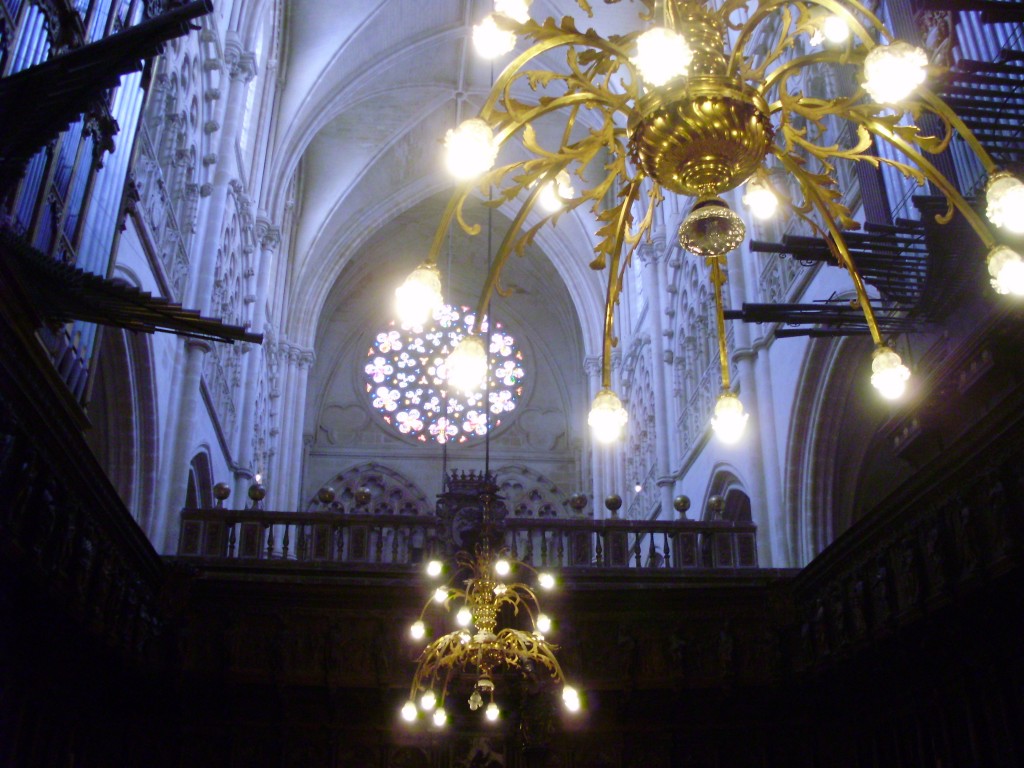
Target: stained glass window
<point>405,378</point>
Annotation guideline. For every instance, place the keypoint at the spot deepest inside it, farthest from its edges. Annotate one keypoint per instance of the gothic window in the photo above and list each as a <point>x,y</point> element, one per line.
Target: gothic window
<point>405,379</point>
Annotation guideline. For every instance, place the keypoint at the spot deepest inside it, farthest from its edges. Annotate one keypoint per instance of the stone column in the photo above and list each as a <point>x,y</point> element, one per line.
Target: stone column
<point>187,399</point>
<point>651,256</point>
<point>598,486</point>
<point>754,374</point>
<point>269,239</point>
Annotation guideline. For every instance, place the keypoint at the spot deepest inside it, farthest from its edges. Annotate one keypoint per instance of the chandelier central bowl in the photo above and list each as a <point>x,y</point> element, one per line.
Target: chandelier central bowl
<point>702,138</point>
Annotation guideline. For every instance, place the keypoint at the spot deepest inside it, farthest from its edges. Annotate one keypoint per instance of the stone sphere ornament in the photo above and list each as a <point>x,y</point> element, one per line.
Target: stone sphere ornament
<point>578,501</point>
<point>362,496</point>
<point>221,491</point>
<point>681,504</point>
<point>257,493</point>
<point>613,503</point>
<point>326,495</point>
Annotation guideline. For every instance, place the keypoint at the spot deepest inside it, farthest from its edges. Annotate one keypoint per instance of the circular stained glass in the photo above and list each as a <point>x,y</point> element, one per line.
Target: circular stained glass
<point>405,378</point>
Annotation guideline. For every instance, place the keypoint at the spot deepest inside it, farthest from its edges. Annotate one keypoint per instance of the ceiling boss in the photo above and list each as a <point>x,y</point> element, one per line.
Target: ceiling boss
<point>690,105</point>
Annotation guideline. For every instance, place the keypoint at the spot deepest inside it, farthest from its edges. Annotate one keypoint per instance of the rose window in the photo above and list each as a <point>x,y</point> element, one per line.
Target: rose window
<point>405,378</point>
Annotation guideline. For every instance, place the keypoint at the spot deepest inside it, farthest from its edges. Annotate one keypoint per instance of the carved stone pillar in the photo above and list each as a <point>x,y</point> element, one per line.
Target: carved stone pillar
<point>652,256</point>
<point>269,239</point>
<point>598,480</point>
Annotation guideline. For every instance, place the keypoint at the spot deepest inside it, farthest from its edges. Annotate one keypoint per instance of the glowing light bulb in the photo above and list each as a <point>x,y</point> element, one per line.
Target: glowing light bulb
<point>419,296</point>
<point>543,622</point>
<point>888,373</point>
<point>662,55</point>
<point>517,10</point>
<point>835,29</point>
<point>491,41</point>
<point>470,149</point>
<point>428,701</point>
<point>434,568</point>
<point>467,365</point>
<point>607,417</point>
<point>463,617</point>
<point>546,580</point>
<point>492,712</point>
<point>502,567</point>
<point>1004,194</point>
<point>409,712</point>
<point>1006,267</point>
<point>571,698</point>
<point>892,72</point>
<point>760,199</point>
<point>729,420</point>
<point>440,594</point>
<point>418,630</point>
<point>553,194</point>
<point>440,717</point>
<point>500,589</point>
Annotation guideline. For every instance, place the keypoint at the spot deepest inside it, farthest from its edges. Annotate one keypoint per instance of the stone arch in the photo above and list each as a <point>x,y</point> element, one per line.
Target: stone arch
<point>123,414</point>
<point>726,483</point>
<point>199,492</point>
<point>528,493</point>
<point>391,493</point>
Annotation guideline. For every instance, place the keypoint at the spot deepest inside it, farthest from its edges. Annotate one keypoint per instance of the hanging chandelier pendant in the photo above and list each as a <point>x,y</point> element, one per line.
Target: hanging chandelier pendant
<point>705,112</point>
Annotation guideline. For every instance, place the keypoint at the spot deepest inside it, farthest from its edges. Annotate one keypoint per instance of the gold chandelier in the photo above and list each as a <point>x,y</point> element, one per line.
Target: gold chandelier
<point>685,107</point>
<point>479,655</point>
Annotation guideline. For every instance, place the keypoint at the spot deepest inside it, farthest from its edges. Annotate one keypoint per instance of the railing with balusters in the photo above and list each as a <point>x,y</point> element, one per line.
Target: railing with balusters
<point>257,536</point>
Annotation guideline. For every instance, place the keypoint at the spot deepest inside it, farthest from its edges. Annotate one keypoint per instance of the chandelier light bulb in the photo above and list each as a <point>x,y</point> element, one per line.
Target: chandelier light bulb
<point>418,630</point>
<point>1006,267</point>
<point>543,622</point>
<point>888,373</point>
<point>434,568</point>
<point>835,29</point>
<point>467,365</point>
<point>440,717</point>
<point>662,55</point>
<point>607,417</point>
<point>760,199</point>
<point>440,595</point>
<point>419,296</point>
<point>463,617</point>
<point>502,567</point>
<point>571,698</point>
<point>1004,194</point>
<point>546,580</point>
<point>553,194</point>
<point>517,10</point>
<point>729,420</point>
<point>491,41</point>
<point>892,72</point>
<point>428,701</point>
<point>492,712</point>
<point>470,149</point>
<point>409,712</point>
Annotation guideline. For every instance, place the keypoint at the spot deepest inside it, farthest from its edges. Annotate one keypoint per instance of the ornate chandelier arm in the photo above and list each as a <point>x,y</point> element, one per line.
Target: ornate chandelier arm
<point>551,36</point>
<point>498,264</point>
<point>837,244</point>
<point>936,105</point>
<point>614,283</point>
<point>793,66</point>
<point>717,280</point>
<point>845,10</point>
<point>932,174</point>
